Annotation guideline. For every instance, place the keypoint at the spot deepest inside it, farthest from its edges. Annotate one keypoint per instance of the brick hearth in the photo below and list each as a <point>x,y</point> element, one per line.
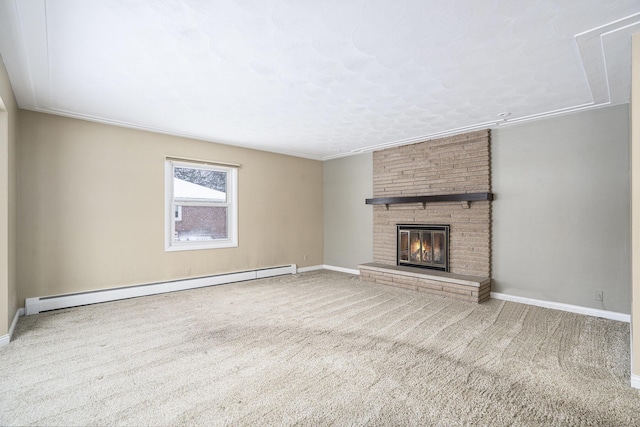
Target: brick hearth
<point>458,286</point>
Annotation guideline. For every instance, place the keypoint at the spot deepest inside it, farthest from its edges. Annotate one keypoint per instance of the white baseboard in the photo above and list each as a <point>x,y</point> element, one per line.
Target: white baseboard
<point>6,339</point>
<point>312,268</point>
<point>39,304</point>
<point>342,269</point>
<point>635,381</point>
<point>328,267</point>
<point>612,315</point>
<point>275,271</point>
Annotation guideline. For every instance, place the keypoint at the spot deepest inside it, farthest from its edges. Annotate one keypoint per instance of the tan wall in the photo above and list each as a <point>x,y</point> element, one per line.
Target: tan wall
<point>635,206</point>
<point>8,202</point>
<point>92,208</point>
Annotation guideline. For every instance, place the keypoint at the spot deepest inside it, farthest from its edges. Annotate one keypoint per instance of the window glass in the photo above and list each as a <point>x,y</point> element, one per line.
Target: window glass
<point>201,206</point>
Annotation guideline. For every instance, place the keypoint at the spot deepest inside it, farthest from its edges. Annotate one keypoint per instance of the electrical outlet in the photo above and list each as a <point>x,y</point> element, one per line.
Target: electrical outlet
<point>187,271</point>
<point>599,295</point>
<point>305,257</point>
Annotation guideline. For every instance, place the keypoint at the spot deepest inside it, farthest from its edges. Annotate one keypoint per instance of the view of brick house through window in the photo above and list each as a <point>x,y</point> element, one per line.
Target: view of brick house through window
<point>199,222</point>
<point>202,206</point>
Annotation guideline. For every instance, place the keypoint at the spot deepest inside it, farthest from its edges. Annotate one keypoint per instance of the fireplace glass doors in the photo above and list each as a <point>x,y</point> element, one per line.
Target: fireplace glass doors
<point>422,245</point>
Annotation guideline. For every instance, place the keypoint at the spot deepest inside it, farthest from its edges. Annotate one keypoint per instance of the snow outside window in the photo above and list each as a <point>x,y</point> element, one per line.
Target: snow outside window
<point>201,206</point>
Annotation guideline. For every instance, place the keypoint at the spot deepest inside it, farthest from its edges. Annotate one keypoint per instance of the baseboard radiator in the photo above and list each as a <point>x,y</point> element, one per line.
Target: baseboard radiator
<point>40,304</point>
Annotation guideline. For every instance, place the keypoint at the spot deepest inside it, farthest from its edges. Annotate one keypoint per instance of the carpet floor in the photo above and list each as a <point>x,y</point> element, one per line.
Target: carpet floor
<point>318,348</point>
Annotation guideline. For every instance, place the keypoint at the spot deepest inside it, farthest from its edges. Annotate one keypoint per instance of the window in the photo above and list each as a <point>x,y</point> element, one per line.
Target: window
<point>201,206</point>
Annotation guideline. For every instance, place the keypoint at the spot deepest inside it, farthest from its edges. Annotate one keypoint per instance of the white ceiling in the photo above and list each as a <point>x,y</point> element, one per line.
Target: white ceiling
<point>317,78</point>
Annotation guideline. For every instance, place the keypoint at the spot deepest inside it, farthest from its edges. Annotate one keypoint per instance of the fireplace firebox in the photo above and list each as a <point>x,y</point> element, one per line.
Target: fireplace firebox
<point>423,245</point>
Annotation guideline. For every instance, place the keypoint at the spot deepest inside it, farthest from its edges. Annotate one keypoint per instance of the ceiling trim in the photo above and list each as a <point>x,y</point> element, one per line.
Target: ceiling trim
<point>119,123</point>
<point>12,40</point>
<point>593,57</point>
<point>593,64</point>
<point>487,125</point>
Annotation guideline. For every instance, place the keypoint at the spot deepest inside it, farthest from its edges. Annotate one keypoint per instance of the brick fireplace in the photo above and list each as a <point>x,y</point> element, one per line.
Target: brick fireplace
<point>451,167</point>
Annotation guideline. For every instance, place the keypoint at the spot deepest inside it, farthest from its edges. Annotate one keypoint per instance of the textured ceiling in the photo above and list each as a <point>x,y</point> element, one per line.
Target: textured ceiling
<point>317,78</point>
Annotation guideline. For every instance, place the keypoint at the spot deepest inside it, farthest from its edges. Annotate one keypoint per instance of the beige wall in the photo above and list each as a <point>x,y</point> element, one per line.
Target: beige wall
<point>92,208</point>
<point>635,209</point>
<point>8,202</point>
<point>348,222</point>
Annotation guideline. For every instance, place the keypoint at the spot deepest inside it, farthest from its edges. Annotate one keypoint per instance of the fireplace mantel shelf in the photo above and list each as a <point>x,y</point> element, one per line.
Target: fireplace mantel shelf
<point>465,198</point>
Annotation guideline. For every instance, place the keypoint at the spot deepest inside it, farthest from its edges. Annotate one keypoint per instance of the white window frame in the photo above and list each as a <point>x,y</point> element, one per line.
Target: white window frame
<point>231,204</point>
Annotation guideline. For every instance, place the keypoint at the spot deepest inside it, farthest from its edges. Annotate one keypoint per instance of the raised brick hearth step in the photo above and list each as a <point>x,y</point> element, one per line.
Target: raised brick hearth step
<point>468,288</point>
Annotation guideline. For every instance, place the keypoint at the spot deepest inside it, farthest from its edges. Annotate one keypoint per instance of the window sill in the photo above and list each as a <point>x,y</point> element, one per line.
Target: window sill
<point>194,246</point>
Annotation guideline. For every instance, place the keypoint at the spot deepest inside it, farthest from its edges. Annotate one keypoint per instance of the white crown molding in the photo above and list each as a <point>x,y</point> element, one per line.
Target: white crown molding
<point>119,123</point>
<point>593,55</point>
<point>486,125</point>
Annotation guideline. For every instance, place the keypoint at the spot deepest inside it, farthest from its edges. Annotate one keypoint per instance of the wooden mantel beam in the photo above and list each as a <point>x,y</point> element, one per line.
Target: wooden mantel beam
<point>466,197</point>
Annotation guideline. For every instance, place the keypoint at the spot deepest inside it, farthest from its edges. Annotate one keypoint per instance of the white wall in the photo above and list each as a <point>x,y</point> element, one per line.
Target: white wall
<point>348,222</point>
<point>561,221</point>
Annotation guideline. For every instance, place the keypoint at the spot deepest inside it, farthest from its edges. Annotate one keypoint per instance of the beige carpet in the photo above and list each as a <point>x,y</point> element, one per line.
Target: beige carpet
<point>318,348</point>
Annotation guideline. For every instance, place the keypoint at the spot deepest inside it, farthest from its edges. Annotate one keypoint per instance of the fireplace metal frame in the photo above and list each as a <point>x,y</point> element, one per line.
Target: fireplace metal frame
<point>423,227</point>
